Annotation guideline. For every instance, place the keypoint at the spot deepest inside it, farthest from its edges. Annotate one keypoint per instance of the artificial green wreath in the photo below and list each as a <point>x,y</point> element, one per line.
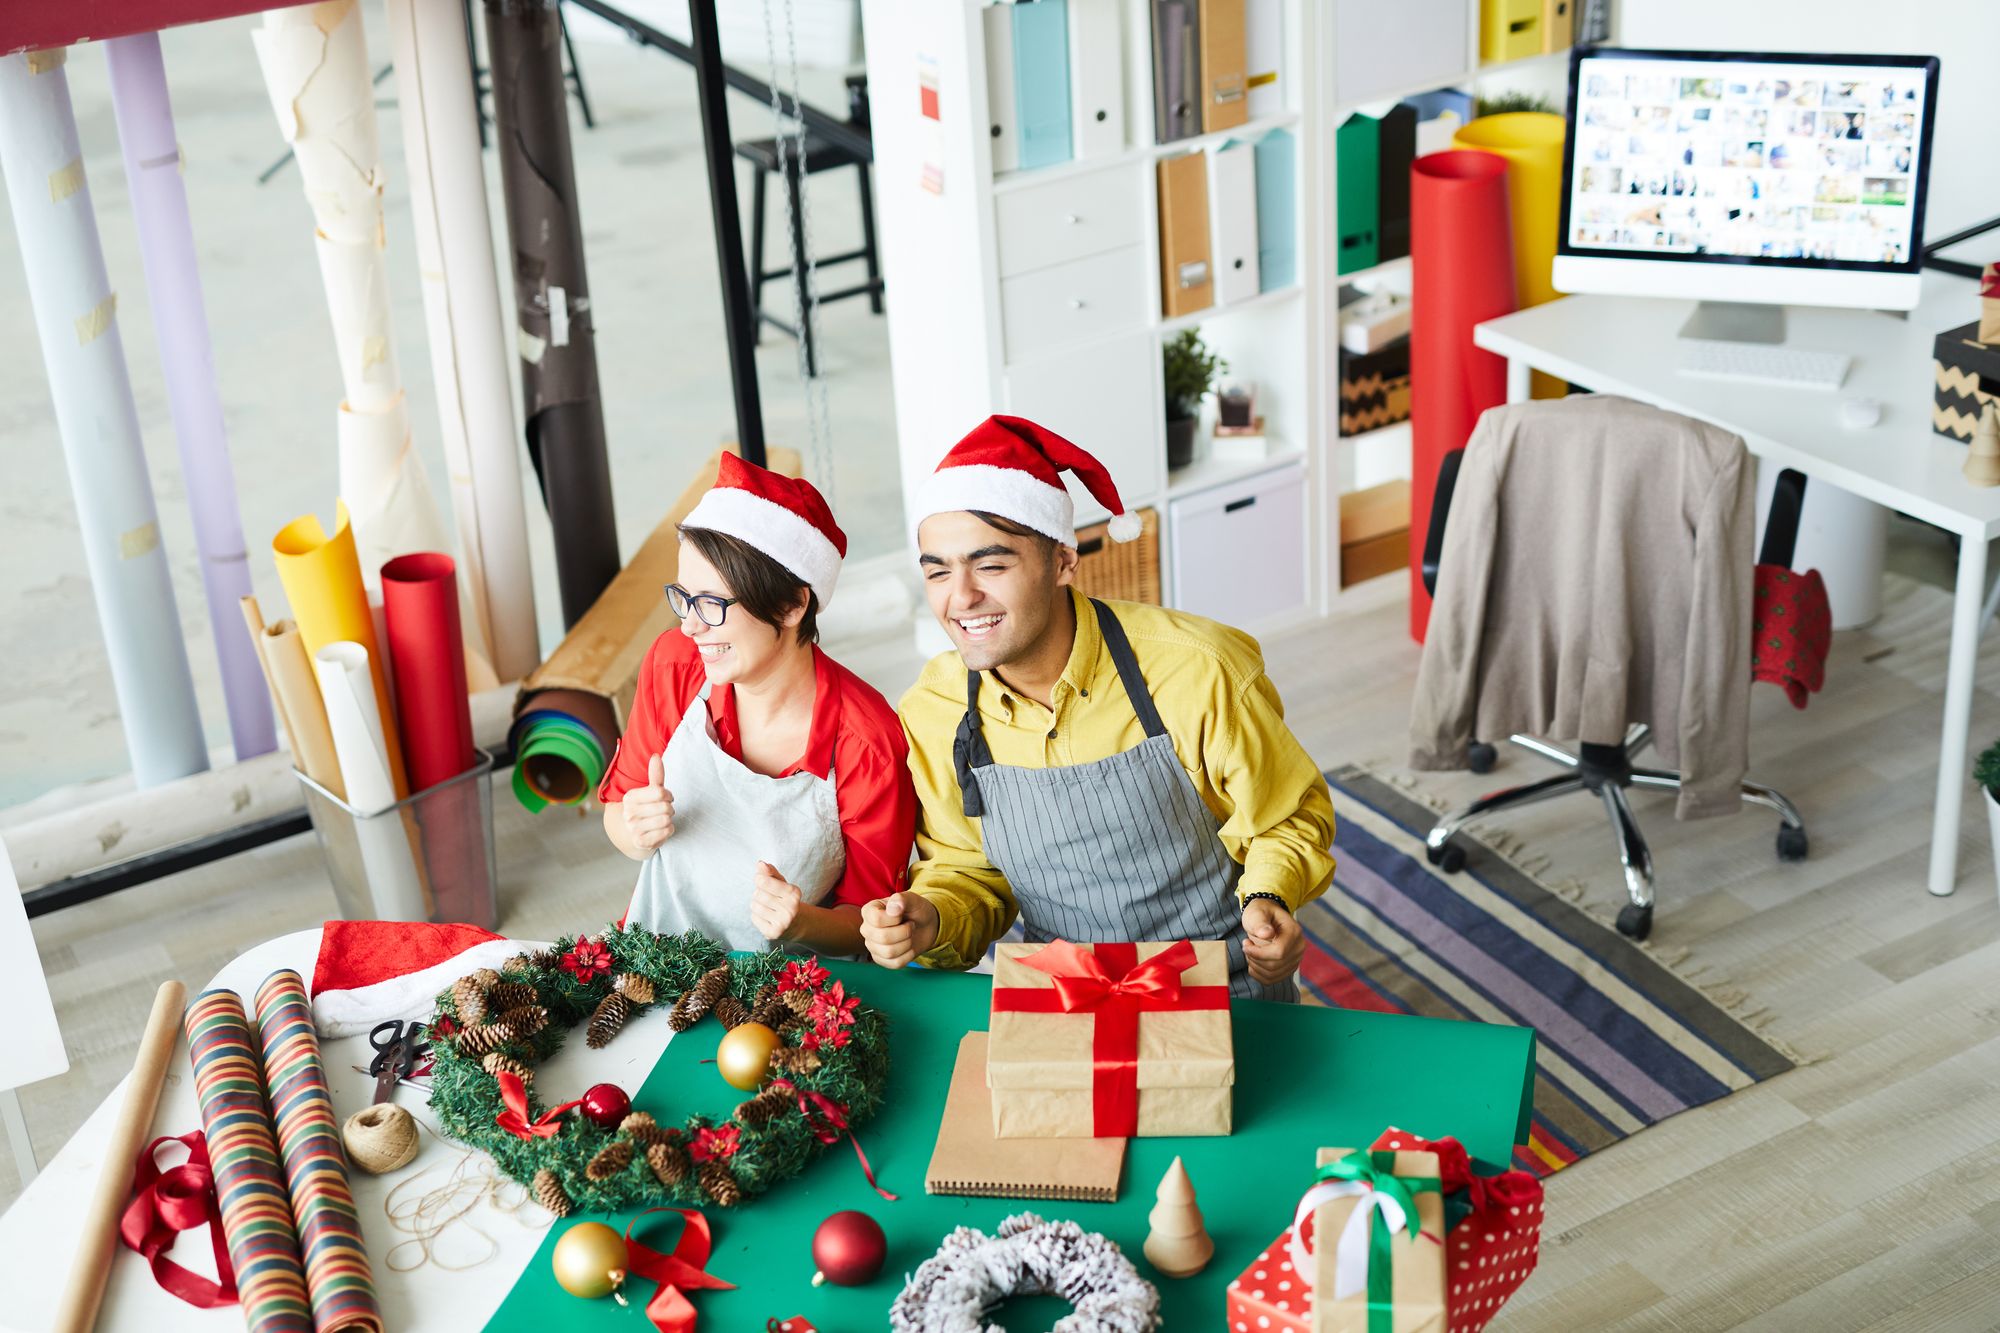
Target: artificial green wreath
<point>829,1070</point>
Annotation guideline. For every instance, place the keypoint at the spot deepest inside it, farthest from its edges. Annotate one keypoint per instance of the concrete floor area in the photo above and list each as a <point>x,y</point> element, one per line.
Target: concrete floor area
<point>650,248</point>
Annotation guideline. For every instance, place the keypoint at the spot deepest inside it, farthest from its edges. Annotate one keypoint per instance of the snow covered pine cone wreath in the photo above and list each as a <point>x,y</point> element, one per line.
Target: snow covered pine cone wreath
<point>973,1272</point>
<point>828,1065</point>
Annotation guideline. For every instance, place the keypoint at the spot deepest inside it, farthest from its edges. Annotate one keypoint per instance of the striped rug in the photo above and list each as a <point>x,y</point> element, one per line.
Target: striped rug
<point>1621,1043</point>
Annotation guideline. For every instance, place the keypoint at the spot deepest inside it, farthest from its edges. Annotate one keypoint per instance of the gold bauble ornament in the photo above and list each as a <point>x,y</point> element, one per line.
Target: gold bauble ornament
<point>589,1260</point>
<point>744,1057</point>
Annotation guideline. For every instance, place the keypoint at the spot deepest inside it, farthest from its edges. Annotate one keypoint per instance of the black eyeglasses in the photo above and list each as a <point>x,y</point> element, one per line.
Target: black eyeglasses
<point>710,609</point>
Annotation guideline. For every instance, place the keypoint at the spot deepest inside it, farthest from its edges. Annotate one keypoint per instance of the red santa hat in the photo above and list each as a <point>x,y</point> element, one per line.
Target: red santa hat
<point>784,517</point>
<point>372,971</point>
<point>1011,467</point>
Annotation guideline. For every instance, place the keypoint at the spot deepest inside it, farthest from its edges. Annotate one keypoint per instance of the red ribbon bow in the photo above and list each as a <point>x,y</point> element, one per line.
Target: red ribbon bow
<point>172,1201</point>
<point>1109,981</point>
<point>677,1273</point>
<point>514,1119</point>
<point>1513,1188</point>
<point>830,1125</point>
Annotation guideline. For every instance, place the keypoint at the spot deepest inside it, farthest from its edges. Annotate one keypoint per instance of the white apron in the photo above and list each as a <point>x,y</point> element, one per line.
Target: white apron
<point>727,818</point>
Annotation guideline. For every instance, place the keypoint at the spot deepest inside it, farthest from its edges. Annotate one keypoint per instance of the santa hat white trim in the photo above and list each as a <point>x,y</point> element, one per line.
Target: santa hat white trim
<point>1007,491</point>
<point>773,529</point>
<point>343,1013</point>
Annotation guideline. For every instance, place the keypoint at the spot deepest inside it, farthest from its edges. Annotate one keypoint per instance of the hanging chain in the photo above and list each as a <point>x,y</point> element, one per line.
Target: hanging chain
<point>792,146</point>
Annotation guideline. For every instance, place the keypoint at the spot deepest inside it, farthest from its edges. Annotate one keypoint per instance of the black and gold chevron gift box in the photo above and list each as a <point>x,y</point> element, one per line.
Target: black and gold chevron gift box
<point>1967,372</point>
<point>1374,387</point>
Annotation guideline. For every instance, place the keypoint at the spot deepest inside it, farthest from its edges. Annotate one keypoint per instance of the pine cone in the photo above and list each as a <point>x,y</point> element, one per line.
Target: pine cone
<point>669,1162</point>
<point>612,1011</point>
<point>549,1193</point>
<point>634,987</point>
<point>547,960</point>
<point>798,1001</point>
<point>526,1020</point>
<point>795,1060</point>
<point>486,977</point>
<point>485,1038</point>
<point>497,1063</point>
<point>770,1009</point>
<point>700,998</point>
<point>644,1130</point>
<point>732,1011</point>
<point>614,1157</point>
<point>719,1184</point>
<point>511,995</point>
<point>468,997</point>
<point>766,1105</point>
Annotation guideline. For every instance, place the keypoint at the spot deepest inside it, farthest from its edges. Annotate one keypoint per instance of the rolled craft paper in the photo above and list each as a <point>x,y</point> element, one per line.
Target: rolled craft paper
<point>296,685</point>
<point>1462,272</point>
<point>427,659</point>
<point>1532,143</point>
<point>388,843</point>
<point>562,742</point>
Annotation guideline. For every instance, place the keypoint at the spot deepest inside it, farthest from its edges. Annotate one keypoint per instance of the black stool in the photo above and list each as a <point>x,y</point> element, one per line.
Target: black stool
<point>774,157</point>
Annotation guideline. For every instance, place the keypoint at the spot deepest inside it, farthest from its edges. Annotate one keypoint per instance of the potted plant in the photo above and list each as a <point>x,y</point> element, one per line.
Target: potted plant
<point>1191,372</point>
<point>1986,772</point>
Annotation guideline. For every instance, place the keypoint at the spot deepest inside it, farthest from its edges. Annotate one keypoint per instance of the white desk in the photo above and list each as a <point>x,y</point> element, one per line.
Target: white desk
<point>1626,345</point>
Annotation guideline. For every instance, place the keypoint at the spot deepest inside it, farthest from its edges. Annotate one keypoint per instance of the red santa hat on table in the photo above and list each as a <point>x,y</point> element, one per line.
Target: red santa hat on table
<point>1010,467</point>
<point>372,971</point>
<point>784,517</point>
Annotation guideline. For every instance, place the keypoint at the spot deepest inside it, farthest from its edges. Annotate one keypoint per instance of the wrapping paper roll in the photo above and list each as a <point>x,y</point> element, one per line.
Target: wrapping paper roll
<point>420,605</point>
<point>1532,143</point>
<point>180,324</point>
<point>389,843</point>
<point>249,1179</point>
<point>447,175</point>
<point>322,580</point>
<point>296,687</point>
<point>339,1282</point>
<point>76,317</point>
<point>562,744</point>
<point>1461,273</point>
<point>565,414</point>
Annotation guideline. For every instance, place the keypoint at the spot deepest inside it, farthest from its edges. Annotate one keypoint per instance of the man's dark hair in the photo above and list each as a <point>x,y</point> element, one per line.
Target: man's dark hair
<point>1042,541</point>
<point>762,587</point>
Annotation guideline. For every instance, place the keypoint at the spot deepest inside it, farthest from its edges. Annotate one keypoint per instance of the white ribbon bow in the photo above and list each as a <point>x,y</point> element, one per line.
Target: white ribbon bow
<point>1350,1254</point>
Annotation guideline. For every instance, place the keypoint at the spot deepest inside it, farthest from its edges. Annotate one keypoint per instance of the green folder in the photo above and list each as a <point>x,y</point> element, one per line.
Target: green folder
<point>1357,152</point>
<point>1306,1078</point>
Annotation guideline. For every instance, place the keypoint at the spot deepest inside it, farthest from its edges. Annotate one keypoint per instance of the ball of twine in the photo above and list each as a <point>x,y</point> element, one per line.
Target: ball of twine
<point>380,1138</point>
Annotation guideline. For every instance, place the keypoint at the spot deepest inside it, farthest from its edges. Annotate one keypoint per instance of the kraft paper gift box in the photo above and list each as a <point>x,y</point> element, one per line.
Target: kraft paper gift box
<point>1493,1228</point>
<point>1111,1040</point>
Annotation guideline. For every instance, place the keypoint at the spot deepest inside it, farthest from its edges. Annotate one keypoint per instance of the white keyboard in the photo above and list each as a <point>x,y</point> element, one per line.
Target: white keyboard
<point>1763,363</point>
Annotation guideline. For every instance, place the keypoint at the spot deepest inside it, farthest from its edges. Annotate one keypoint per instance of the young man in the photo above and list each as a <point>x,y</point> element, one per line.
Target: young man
<point>1110,771</point>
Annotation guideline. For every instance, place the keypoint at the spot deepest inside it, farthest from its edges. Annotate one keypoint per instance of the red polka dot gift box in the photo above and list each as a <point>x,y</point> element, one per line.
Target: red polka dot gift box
<point>1493,1228</point>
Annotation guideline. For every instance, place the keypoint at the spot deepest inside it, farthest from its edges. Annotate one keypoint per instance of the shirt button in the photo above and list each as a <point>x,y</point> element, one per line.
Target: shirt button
<point>1052,733</point>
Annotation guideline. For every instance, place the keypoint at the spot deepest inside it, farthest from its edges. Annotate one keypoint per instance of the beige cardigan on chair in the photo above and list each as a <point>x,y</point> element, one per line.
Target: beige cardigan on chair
<point>1597,571</point>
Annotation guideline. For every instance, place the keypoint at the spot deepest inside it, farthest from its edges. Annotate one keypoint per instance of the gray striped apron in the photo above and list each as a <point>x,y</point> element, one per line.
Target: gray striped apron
<point>1118,850</point>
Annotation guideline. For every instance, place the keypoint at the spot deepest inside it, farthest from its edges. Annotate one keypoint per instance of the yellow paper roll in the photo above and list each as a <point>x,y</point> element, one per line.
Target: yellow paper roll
<point>322,579</point>
<point>1532,143</point>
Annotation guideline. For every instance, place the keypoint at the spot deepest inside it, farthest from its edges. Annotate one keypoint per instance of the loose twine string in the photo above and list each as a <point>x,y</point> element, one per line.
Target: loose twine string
<point>473,1182</point>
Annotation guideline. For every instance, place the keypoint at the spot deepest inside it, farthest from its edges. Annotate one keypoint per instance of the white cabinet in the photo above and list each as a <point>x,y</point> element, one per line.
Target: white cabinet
<point>1071,303</point>
<point>1085,214</point>
<point>1097,396</point>
<point>1237,553</point>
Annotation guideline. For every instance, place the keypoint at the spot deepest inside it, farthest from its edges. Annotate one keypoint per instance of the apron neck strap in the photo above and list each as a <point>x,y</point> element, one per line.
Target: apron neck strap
<point>1127,663</point>
<point>969,750</point>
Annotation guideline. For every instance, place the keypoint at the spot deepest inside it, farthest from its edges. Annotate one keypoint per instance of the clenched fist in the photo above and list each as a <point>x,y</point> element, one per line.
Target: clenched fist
<point>774,904</point>
<point>649,810</point>
<point>1275,943</point>
<point>898,928</point>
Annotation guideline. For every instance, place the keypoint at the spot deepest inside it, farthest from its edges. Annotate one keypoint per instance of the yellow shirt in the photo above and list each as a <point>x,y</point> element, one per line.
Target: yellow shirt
<point>1228,728</point>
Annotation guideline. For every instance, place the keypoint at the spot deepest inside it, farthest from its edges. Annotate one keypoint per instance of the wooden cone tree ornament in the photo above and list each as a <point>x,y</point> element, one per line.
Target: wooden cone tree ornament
<point>1178,1244</point>
<point>1982,460</point>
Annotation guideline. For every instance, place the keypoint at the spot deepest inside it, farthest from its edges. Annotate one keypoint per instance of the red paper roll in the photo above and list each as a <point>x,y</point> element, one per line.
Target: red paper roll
<point>1462,272</point>
<point>427,658</point>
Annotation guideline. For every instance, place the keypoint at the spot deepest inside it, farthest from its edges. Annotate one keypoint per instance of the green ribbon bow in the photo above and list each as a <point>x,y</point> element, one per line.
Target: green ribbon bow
<point>1377,1171</point>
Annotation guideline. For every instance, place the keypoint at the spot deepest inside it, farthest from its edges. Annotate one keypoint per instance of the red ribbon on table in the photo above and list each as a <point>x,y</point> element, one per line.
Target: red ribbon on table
<point>1109,981</point>
<point>830,1125</point>
<point>168,1203</point>
<point>678,1272</point>
<point>514,1119</point>
<point>798,1323</point>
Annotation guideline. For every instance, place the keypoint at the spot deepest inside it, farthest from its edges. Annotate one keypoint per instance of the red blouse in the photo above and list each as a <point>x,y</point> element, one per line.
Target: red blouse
<point>855,739</point>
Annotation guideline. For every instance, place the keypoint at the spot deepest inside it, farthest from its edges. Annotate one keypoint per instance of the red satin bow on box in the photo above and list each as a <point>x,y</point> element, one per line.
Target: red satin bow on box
<point>677,1273</point>
<point>170,1202</point>
<point>1109,982</point>
<point>514,1118</point>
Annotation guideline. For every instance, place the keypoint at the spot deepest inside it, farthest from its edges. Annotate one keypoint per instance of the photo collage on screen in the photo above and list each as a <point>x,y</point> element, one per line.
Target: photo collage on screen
<point>1780,161</point>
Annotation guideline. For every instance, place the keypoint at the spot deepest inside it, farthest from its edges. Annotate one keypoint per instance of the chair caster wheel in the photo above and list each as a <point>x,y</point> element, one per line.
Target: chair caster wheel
<point>1635,921</point>
<point>1481,757</point>
<point>1449,858</point>
<point>1792,844</point>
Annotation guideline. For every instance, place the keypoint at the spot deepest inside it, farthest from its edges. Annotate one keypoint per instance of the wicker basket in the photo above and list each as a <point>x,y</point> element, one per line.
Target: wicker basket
<point>1120,571</point>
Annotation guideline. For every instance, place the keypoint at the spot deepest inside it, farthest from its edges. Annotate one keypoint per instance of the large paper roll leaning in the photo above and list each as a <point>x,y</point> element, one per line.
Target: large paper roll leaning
<point>249,1180</point>
<point>1461,272</point>
<point>1532,143</point>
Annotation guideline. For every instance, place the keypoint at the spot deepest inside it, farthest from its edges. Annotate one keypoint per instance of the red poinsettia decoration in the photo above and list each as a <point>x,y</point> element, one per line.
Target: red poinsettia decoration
<point>719,1144</point>
<point>589,960</point>
<point>804,974</point>
<point>831,1015</point>
<point>445,1026</point>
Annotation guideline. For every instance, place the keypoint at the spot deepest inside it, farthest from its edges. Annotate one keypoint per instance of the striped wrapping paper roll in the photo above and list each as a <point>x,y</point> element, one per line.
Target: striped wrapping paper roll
<point>249,1181</point>
<point>338,1280</point>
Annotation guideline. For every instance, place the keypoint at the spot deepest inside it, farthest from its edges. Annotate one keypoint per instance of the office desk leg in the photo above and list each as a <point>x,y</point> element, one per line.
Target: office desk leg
<point>1965,602</point>
<point>1519,379</point>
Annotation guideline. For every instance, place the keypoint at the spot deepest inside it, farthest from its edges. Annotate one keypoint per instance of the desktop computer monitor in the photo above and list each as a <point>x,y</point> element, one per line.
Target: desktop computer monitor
<point>1746,181</point>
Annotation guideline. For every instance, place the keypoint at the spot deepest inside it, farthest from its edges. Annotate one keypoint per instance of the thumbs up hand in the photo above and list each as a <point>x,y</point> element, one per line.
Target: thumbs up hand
<point>649,810</point>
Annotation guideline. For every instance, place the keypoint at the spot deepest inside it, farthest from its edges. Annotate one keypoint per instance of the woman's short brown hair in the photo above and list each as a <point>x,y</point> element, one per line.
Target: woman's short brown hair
<point>762,587</point>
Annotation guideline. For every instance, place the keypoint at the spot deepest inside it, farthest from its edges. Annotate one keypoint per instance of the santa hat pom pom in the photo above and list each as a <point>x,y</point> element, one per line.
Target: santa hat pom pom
<point>1126,528</point>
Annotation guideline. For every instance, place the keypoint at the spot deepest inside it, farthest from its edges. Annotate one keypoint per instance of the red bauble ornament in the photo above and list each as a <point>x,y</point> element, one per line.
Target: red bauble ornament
<point>849,1249</point>
<point>606,1104</point>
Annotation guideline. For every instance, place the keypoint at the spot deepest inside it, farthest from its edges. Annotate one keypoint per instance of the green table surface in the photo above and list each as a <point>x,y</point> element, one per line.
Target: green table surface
<point>1306,1078</point>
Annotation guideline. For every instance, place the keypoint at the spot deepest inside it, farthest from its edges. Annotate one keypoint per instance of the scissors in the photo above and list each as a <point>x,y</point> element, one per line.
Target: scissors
<point>398,1045</point>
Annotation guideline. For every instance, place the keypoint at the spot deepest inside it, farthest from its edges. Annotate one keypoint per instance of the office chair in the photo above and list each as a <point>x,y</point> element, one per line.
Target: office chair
<point>1607,770</point>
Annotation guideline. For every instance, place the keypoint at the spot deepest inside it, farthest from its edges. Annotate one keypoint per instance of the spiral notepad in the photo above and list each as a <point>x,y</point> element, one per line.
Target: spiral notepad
<point>969,1160</point>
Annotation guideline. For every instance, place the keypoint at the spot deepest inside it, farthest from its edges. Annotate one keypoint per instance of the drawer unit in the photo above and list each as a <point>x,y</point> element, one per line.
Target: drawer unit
<point>1095,395</point>
<point>1237,553</point>
<point>1083,214</point>
<point>1074,302</point>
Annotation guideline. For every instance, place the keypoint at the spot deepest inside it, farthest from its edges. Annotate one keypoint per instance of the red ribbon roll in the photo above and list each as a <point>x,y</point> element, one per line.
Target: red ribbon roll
<point>168,1203</point>
<point>514,1119</point>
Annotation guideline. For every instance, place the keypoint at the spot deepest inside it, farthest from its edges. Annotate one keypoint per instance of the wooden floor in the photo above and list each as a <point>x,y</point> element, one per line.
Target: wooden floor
<point>1860,1191</point>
